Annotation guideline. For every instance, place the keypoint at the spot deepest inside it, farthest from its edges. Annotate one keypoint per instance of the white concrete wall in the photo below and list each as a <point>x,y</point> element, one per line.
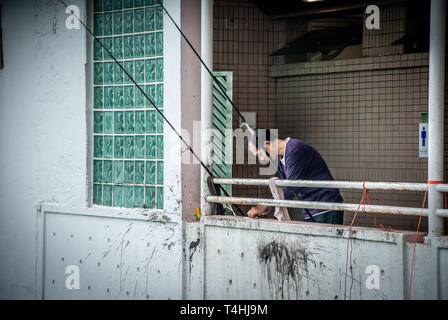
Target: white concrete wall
<point>45,121</point>
<point>263,259</point>
<point>43,130</point>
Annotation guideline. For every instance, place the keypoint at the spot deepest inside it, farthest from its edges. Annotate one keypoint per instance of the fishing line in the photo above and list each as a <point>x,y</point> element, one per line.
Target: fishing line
<point>153,104</point>
<point>223,91</point>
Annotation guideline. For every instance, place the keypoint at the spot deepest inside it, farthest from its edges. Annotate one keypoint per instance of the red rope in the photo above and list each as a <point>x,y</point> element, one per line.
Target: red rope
<point>416,233</point>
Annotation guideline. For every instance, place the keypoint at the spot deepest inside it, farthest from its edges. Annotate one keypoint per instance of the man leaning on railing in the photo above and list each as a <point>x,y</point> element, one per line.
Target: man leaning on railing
<point>297,160</point>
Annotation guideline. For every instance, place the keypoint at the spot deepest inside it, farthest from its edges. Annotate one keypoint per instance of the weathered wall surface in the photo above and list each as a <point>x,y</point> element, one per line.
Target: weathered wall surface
<point>297,260</point>
<point>43,130</point>
<point>46,123</point>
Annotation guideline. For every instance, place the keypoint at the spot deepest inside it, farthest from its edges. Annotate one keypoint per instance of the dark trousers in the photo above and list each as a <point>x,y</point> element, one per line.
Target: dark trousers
<point>332,217</point>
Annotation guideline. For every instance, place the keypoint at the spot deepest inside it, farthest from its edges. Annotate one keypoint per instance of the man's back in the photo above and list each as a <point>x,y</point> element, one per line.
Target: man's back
<point>303,162</point>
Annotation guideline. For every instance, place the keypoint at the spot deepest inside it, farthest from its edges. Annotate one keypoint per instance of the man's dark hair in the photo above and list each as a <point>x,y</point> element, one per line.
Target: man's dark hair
<point>258,139</point>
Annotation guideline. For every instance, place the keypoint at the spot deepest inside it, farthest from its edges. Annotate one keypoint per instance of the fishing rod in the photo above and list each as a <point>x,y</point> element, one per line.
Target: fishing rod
<point>152,103</point>
<point>223,91</point>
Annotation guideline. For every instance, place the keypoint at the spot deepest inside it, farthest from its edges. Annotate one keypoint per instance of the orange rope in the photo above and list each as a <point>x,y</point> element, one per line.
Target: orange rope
<point>416,233</point>
<point>365,196</point>
<point>415,241</point>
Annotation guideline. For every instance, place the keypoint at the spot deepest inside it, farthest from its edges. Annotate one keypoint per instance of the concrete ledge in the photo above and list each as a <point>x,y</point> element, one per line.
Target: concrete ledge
<point>348,65</point>
<point>308,228</point>
<point>153,215</point>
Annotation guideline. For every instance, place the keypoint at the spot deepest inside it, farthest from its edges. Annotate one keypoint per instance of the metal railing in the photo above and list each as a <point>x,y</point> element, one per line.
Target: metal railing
<point>396,186</point>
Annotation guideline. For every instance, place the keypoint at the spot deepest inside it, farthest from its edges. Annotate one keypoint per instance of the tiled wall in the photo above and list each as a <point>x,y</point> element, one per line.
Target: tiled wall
<point>376,42</point>
<point>362,115</point>
<point>244,37</point>
<point>128,131</point>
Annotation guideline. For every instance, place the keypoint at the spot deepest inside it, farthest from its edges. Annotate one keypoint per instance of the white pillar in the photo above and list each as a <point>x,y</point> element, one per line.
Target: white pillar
<point>206,98</point>
<point>436,95</point>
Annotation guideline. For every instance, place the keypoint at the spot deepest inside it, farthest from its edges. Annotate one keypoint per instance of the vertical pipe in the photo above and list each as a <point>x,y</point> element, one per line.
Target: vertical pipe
<point>436,95</point>
<point>206,98</point>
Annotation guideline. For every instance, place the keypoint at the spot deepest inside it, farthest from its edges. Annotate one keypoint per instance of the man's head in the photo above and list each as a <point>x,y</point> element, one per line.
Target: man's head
<point>261,141</point>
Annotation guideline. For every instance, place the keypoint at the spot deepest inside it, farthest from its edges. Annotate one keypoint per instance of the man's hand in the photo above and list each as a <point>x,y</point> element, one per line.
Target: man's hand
<point>257,211</point>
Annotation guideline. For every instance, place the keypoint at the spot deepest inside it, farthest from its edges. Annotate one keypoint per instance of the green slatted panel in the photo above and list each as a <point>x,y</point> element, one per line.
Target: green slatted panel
<point>222,129</point>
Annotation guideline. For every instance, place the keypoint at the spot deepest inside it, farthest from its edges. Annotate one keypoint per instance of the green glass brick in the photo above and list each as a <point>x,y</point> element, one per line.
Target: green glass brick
<point>118,47</point>
<point>128,4</point>
<point>150,70</point>
<point>128,196</point>
<point>159,147</point>
<point>159,43</point>
<point>159,69</point>
<point>97,121</point>
<point>139,196</point>
<point>149,19</point>
<point>139,3</point>
<point>98,146</point>
<point>129,67</point>
<point>160,120</point>
<point>159,18</point>
<point>108,20</point>
<point>118,147</point>
<point>107,171</point>
<point>108,146</point>
<point>150,45</point>
<point>118,4</point>
<point>151,121</point>
<point>98,73</point>
<point>108,122</point>
<point>140,147</point>
<point>151,142</point>
<point>139,172</point>
<point>150,197</point>
<point>107,195</point>
<point>129,122</point>
<point>118,22</point>
<point>159,197</point>
<point>108,72</point>
<point>129,47</point>
<point>118,196</point>
<point>98,5</point>
<point>160,172</point>
<point>108,97</point>
<point>98,24</point>
<point>129,172</point>
<point>97,51</point>
<point>129,96</point>
<point>109,44</point>
<point>128,19</point>
<point>119,122</point>
<point>150,2</point>
<point>129,146</point>
<point>139,20</point>
<point>118,97</point>
<point>159,98</point>
<point>118,74</point>
<point>98,194</point>
<point>139,46</point>
<point>108,5</point>
<point>98,97</point>
<point>150,172</point>
<point>97,170</point>
<point>140,99</point>
<point>118,172</point>
<point>139,122</point>
<point>150,91</point>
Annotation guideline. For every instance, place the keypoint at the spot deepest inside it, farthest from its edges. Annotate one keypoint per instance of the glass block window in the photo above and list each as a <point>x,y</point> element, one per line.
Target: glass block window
<point>128,140</point>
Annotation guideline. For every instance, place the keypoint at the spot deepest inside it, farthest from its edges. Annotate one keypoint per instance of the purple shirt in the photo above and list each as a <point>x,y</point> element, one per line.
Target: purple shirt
<point>303,162</point>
